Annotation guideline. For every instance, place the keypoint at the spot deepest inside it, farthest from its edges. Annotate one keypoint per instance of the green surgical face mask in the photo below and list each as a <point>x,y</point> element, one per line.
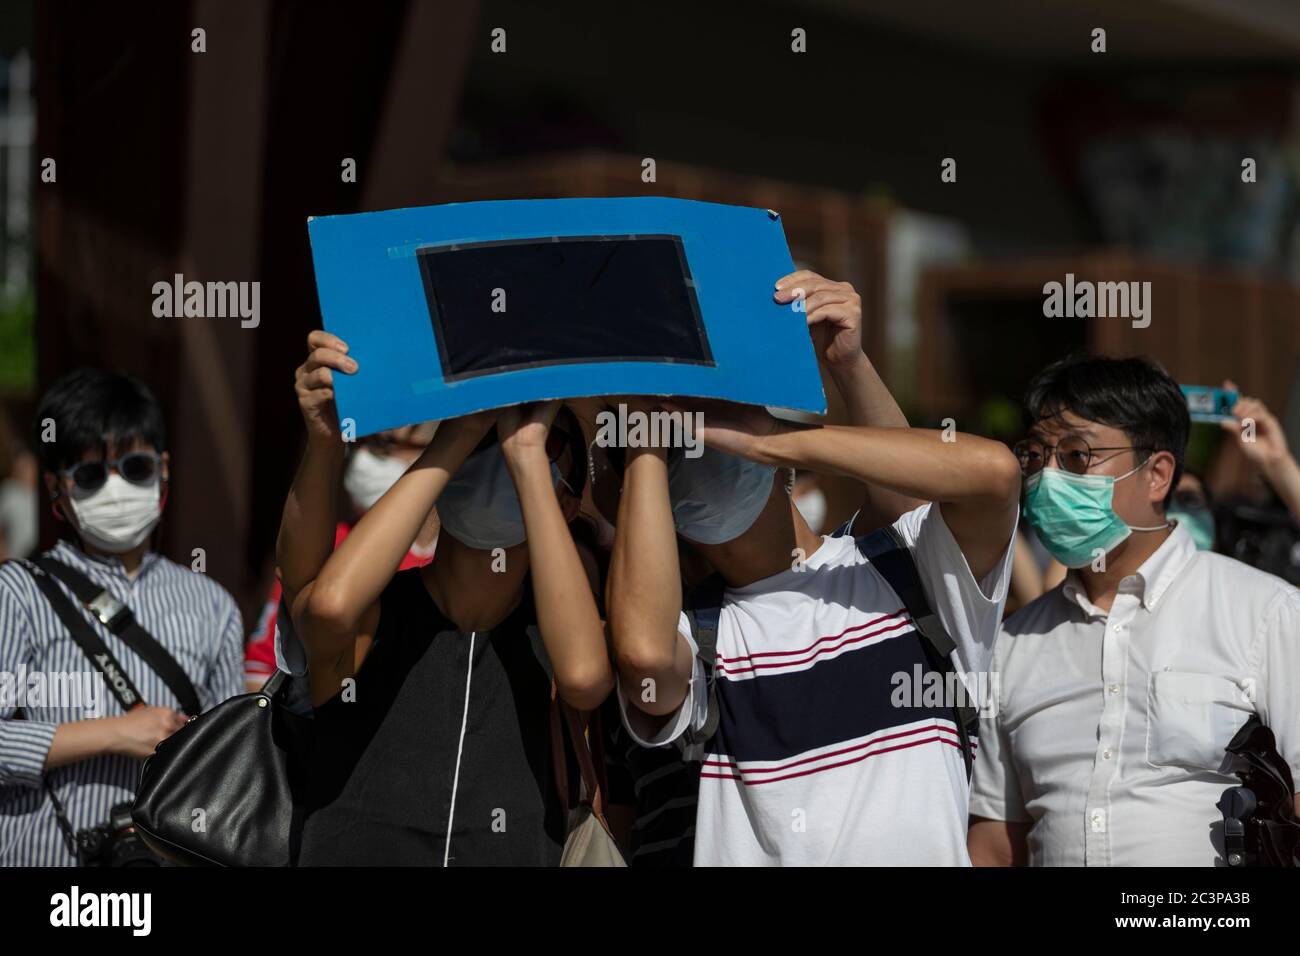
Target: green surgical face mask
<point>1199,522</point>
<point>1072,514</point>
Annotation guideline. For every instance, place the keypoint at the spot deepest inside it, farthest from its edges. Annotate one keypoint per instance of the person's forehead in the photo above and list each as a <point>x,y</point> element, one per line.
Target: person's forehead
<point>413,436</point>
<point>116,448</point>
<point>1068,423</point>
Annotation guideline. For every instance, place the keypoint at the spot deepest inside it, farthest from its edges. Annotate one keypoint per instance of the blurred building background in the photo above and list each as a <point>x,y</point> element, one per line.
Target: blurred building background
<point>1114,166</point>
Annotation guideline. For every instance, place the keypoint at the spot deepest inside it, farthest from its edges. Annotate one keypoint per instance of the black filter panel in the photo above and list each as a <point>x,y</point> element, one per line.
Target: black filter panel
<point>569,300</point>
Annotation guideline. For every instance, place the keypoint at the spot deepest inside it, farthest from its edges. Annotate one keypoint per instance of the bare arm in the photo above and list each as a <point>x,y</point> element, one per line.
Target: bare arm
<point>1026,579</point>
<point>341,604</point>
<point>975,481</point>
<point>79,740</point>
<point>1284,478</point>
<point>307,524</point>
<point>871,404</point>
<point>566,610</point>
<point>308,521</point>
<point>28,748</point>
<point>1268,451</point>
<point>645,592</point>
<point>133,734</point>
<point>998,842</point>
<point>834,315</point>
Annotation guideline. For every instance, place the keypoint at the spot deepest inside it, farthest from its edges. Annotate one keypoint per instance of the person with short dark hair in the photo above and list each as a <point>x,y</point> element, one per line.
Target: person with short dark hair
<point>810,757</point>
<point>69,752</point>
<point>430,689</point>
<point>1118,690</point>
<point>373,465</point>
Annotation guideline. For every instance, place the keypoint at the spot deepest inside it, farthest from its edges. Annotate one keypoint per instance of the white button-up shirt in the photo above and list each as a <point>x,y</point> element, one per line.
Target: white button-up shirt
<point>1108,728</point>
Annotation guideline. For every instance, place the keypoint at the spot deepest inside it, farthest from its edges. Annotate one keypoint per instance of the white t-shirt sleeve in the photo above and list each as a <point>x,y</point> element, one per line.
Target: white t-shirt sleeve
<point>970,610</point>
<point>693,710</point>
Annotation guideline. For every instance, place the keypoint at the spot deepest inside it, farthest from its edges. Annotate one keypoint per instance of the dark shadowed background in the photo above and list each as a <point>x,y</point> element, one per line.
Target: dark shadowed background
<point>1123,165</point>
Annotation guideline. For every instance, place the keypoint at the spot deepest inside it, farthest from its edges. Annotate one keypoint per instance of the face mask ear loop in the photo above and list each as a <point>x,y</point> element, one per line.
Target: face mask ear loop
<point>1159,527</point>
<point>55,509</point>
<point>1136,468</point>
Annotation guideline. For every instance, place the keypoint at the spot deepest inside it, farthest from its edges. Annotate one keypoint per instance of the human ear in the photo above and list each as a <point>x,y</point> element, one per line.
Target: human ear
<point>1162,466</point>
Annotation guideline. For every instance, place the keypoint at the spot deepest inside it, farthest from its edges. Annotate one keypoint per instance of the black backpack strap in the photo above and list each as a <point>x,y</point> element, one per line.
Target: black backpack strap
<point>117,617</point>
<point>889,554</point>
<point>704,608</point>
<point>91,644</point>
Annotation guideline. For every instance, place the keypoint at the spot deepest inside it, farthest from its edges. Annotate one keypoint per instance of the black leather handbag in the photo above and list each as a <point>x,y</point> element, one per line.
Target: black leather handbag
<point>223,790</point>
<point>1259,822</point>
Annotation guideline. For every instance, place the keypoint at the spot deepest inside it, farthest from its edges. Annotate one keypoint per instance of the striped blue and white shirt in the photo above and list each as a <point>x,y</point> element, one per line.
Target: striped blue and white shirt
<point>44,673</point>
<point>831,748</point>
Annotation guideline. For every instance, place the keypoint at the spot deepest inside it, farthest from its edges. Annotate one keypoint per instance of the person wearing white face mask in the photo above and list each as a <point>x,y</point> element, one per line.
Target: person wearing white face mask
<point>369,475</point>
<point>373,465</point>
<point>463,647</point>
<point>795,708</point>
<point>106,475</point>
<point>119,515</point>
<point>810,500</point>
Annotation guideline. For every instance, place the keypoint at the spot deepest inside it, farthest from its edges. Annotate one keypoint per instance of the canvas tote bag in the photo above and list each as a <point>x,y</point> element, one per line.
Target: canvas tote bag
<point>589,841</point>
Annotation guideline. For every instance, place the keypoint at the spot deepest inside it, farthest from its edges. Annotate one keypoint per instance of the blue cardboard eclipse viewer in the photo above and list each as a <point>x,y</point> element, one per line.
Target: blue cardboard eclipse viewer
<point>455,309</point>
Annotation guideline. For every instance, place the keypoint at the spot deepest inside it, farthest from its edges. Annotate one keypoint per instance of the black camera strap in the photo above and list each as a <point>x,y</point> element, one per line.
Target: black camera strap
<point>117,617</point>
<point>91,644</point>
<point>65,825</point>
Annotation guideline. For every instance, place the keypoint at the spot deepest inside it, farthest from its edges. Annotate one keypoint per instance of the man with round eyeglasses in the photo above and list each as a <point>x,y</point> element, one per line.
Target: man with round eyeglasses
<point>1118,690</point>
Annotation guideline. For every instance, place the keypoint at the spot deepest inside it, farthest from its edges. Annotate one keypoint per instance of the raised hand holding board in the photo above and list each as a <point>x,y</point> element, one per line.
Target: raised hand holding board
<point>469,306</point>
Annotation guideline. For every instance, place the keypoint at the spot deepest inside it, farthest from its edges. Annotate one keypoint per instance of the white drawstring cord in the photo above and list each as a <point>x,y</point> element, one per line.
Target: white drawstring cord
<point>460,748</point>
